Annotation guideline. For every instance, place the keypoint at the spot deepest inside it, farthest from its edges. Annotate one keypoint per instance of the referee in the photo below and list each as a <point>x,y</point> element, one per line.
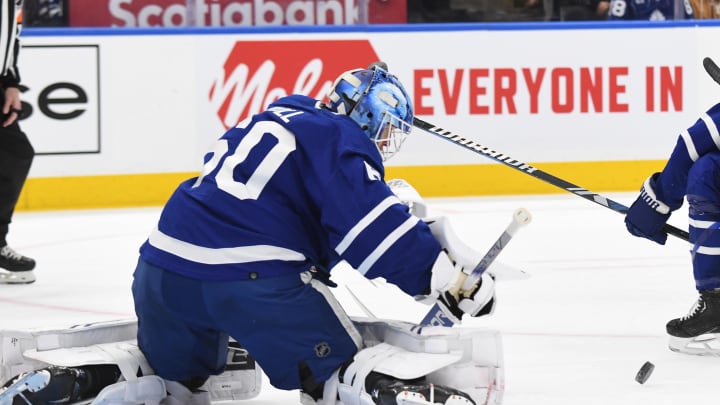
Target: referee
<point>16,152</point>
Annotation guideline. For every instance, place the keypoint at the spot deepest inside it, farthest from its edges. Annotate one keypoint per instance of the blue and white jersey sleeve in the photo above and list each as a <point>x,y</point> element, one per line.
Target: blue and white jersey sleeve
<point>293,188</point>
<point>372,230</point>
<point>698,140</point>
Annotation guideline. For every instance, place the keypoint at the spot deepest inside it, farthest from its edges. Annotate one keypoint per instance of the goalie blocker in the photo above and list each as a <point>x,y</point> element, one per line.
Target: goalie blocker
<point>396,365</point>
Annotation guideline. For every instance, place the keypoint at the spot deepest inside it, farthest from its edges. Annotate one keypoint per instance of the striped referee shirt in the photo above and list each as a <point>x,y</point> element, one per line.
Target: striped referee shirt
<point>10,25</point>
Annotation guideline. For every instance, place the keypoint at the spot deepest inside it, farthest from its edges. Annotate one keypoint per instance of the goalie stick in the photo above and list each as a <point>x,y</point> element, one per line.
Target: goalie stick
<point>436,316</point>
<point>533,171</point>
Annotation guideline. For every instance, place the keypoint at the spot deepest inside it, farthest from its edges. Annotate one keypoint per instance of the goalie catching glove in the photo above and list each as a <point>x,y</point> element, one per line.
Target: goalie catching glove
<point>648,215</point>
<point>454,263</point>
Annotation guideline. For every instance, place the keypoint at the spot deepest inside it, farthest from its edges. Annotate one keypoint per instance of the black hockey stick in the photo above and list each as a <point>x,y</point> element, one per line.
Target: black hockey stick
<point>535,172</point>
<point>712,69</point>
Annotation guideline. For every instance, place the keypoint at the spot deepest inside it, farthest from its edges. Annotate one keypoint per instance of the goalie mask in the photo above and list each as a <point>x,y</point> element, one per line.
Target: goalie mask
<point>377,101</point>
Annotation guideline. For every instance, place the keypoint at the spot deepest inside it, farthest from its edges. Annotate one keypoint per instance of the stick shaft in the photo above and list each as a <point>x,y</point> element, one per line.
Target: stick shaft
<point>533,171</point>
<point>435,315</point>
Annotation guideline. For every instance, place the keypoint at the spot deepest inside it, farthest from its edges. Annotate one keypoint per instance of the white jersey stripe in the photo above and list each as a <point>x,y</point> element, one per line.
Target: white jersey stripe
<point>712,128</point>
<point>701,224</point>
<point>363,223</point>
<point>205,255</point>
<point>689,145</point>
<point>710,251</point>
<point>401,230</point>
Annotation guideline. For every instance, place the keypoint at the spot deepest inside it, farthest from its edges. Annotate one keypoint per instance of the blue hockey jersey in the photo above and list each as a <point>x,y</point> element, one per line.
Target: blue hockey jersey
<point>698,140</point>
<point>293,187</point>
<point>647,10</point>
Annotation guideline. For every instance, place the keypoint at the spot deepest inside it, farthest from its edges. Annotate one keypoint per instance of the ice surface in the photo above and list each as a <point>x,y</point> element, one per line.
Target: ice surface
<point>575,332</point>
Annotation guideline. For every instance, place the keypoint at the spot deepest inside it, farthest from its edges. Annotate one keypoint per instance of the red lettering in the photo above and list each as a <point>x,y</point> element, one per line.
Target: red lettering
<point>420,92</point>
<point>533,86</point>
<point>615,89</point>
<point>505,91</point>
<point>477,90</point>
<point>570,90</point>
<point>591,87</point>
<point>450,98</point>
<point>671,88</point>
<point>649,88</point>
<point>559,76</point>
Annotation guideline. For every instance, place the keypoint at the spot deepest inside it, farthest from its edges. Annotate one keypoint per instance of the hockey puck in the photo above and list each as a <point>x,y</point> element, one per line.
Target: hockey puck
<point>644,373</point>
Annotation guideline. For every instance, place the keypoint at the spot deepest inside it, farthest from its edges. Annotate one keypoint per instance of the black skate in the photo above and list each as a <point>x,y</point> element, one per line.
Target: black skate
<point>698,331</point>
<point>20,387</point>
<point>59,385</point>
<point>15,268</point>
<point>387,390</point>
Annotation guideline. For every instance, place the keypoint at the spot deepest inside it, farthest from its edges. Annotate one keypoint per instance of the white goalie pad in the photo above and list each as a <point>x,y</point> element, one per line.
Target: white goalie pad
<point>14,343</point>
<point>407,194</point>
<point>466,359</point>
<point>703,345</point>
<point>114,342</point>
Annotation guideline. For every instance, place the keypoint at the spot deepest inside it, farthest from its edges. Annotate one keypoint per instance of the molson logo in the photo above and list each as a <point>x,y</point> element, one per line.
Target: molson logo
<point>257,73</point>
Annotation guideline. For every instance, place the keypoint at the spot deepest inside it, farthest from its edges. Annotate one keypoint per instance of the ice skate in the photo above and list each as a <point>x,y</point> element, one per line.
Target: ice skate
<point>62,385</point>
<point>31,382</point>
<point>698,332</point>
<point>386,390</point>
<point>15,268</point>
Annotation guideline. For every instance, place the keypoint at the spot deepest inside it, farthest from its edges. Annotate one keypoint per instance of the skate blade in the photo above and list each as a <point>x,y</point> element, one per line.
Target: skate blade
<point>33,382</point>
<point>17,277</point>
<point>703,345</point>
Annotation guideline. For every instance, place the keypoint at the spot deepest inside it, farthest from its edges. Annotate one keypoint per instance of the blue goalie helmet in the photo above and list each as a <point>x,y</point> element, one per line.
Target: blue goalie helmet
<point>378,102</point>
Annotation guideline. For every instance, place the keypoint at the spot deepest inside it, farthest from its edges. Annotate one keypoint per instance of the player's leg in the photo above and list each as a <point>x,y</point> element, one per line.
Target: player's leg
<point>302,338</point>
<point>16,155</point>
<point>703,196</point>
<point>176,333</point>
<point>292,325</point>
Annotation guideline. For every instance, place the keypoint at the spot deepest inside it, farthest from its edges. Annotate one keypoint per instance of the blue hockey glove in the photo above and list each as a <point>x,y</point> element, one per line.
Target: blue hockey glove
<point>647,215</point>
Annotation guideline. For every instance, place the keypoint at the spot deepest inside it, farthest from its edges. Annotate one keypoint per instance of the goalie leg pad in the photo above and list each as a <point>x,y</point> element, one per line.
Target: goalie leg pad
<point>480,370</point>
<point>14,343</point>
<point>112,343</point>
<point>466,361</point>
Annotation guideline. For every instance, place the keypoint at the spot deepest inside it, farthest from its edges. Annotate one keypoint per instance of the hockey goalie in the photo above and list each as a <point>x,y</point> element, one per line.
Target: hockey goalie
<point>245,250</point>
<point>396,362</point>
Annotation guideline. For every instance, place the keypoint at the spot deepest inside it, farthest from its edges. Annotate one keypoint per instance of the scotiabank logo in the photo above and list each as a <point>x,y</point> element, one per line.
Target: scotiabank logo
<point>179,13</point>
<point>257,73</point>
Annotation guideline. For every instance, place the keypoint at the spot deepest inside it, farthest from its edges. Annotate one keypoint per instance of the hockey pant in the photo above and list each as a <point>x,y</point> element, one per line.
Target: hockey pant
<point>703,196</point>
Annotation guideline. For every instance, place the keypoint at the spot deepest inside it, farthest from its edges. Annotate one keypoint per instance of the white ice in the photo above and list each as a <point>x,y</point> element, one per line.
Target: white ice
<point>575,332</point>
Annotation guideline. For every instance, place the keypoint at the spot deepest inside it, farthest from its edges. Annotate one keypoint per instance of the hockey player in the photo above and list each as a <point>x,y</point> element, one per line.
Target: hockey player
<point>691,172</point>
<point>16,151</point>
<point>653,10</point>
<point>244,250</point>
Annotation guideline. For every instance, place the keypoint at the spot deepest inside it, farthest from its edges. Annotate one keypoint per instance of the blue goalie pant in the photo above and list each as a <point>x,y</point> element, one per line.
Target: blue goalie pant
<point>292,325</point>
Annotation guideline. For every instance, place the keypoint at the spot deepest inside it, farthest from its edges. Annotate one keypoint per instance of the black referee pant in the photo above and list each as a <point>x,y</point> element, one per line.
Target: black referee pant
<point>16,155</point>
